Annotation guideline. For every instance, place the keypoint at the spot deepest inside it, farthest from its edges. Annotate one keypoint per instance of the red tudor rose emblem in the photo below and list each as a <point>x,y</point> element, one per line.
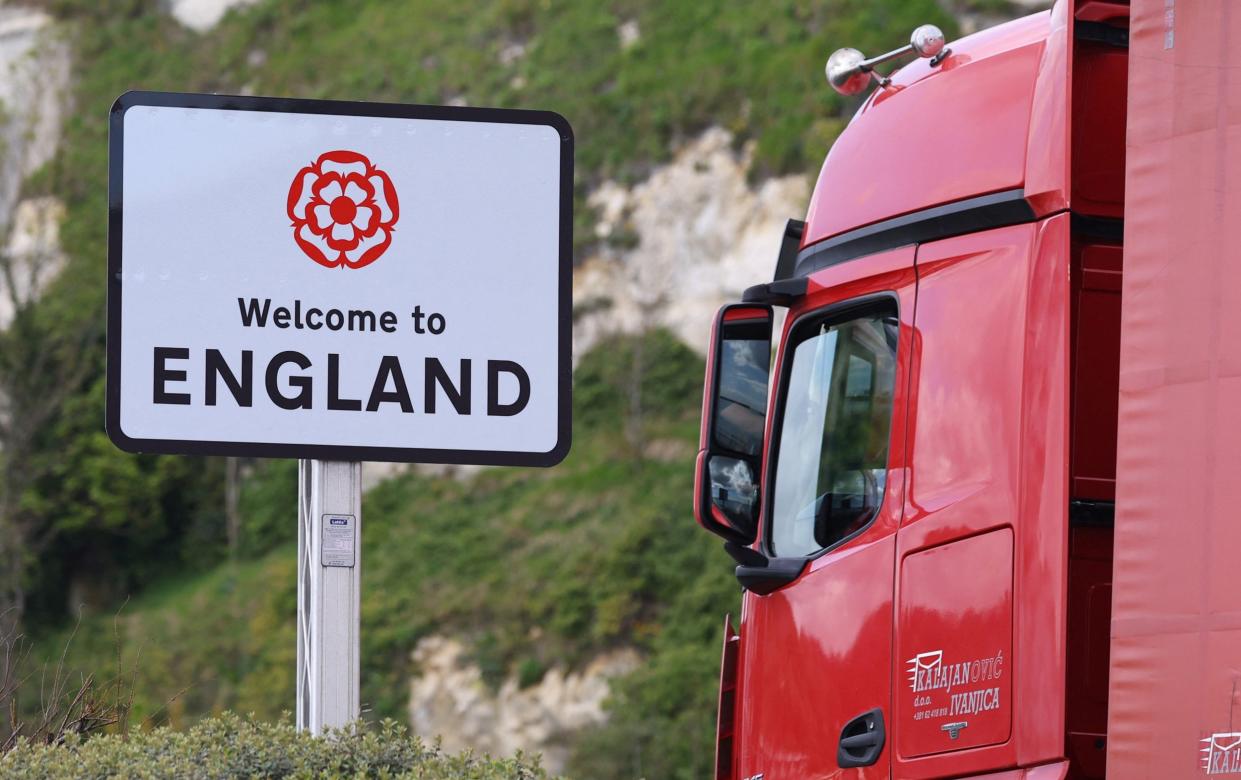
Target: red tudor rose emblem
<point>343,210</point>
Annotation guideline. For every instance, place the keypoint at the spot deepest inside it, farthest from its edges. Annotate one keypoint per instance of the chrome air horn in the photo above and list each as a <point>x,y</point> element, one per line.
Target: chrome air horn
<point>849,71</point>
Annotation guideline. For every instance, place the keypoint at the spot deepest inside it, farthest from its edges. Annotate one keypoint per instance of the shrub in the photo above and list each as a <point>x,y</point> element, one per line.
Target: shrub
<point>229,746</point>
<point>668,378</point>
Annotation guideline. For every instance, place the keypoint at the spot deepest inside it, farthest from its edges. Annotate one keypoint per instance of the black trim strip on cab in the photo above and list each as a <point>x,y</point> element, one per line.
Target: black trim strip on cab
<point>999,209</point>
<point>1107,230</point>
<point>1101,32</point>
<point>1097,514</point>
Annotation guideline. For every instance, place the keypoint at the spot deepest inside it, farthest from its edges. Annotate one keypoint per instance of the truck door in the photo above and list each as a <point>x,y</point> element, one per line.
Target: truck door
<point>817,651</point>
<point>980,555</point>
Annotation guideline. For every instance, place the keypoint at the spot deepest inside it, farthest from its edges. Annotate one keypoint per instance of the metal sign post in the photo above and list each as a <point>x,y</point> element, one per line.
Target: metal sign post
<point>329,588</point>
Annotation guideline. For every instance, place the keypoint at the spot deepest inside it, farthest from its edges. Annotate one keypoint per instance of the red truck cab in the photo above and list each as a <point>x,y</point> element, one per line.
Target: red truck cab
<point>919,493</point>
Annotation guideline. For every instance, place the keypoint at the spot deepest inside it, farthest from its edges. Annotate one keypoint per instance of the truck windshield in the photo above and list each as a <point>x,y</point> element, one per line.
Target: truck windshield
<point>831,465</point>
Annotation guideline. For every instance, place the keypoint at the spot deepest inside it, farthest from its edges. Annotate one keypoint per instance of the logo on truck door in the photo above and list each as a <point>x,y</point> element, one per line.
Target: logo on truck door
<point>1222,753</point>
<point>966,685</point>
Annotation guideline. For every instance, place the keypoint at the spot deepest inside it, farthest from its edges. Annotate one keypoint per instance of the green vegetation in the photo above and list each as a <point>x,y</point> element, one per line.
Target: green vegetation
<point>538,568</point>
<point>233,747</point>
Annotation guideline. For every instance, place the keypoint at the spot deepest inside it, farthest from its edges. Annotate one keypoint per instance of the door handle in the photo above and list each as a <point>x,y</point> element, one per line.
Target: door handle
<point>861,740</point>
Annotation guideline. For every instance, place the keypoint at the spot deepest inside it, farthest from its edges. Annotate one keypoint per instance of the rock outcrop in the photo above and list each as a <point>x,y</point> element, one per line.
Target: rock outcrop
<point>688,239</point>
<point>202,15</point>
<point>34,77</point>
<point>32,254</point>
<point>449,700</point>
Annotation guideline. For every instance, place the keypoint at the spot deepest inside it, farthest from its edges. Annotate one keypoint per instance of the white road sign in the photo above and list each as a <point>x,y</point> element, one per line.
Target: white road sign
<point>334,280</point>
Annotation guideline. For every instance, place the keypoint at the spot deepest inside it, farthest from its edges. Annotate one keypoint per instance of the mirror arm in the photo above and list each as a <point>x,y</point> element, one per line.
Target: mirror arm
<point>745,556</point>
<point>778,293</point>
<point>762,575</point>
<point>775,575</point>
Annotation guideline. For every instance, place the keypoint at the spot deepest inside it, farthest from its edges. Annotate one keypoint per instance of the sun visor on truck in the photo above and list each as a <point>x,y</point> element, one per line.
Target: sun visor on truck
<point>790,243</point>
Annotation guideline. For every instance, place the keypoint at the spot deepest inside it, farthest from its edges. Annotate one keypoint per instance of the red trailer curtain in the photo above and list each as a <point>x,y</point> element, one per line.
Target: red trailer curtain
<point>1175,700</point>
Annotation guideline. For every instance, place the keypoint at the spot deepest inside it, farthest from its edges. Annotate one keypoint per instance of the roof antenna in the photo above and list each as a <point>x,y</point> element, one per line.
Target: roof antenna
<point>849,72</point>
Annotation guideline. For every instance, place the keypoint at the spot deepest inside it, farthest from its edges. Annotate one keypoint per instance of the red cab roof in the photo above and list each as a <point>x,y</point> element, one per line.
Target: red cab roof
<point>953,131</point>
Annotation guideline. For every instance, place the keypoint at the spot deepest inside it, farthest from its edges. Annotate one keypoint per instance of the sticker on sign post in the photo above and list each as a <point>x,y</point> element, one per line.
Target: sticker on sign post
<point>345,281</point>
<point>338,540</point>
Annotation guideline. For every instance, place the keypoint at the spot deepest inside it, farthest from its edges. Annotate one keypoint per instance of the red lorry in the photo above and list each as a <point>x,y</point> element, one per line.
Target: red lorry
<point>1020,254</point>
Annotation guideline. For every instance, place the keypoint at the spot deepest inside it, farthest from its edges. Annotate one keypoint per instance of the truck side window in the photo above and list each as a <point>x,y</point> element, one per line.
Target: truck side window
<point>832,457</point>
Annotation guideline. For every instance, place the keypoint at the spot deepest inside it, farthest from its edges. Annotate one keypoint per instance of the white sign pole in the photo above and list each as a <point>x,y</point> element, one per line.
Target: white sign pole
<point>329,588</point>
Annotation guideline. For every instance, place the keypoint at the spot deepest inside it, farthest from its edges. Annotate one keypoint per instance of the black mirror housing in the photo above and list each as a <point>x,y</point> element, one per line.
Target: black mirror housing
<point>734,422</point>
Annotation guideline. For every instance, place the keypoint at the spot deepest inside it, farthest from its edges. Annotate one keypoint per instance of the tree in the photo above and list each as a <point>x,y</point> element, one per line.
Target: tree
<point>40,368</point>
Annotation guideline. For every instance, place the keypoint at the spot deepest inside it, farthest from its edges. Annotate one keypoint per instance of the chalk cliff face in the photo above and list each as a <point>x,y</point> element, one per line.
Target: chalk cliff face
<point>202,15</point>
<point>34,76</point>
<point>449,700</point>
<point>678,245</point>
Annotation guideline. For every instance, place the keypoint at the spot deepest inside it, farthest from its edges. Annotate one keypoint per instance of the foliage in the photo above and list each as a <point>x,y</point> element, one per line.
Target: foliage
<point>265,506</point>
<point>229,746</point>
<point>66,705</point>
<point>540,568</point>
<point>601,381</point>
<point>662,716</point>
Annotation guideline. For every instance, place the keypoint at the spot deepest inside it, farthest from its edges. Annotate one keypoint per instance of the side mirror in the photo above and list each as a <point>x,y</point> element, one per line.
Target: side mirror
<point>734,423</point>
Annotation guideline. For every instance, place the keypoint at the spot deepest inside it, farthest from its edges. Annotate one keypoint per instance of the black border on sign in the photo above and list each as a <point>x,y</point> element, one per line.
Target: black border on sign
<point>116,146</point>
